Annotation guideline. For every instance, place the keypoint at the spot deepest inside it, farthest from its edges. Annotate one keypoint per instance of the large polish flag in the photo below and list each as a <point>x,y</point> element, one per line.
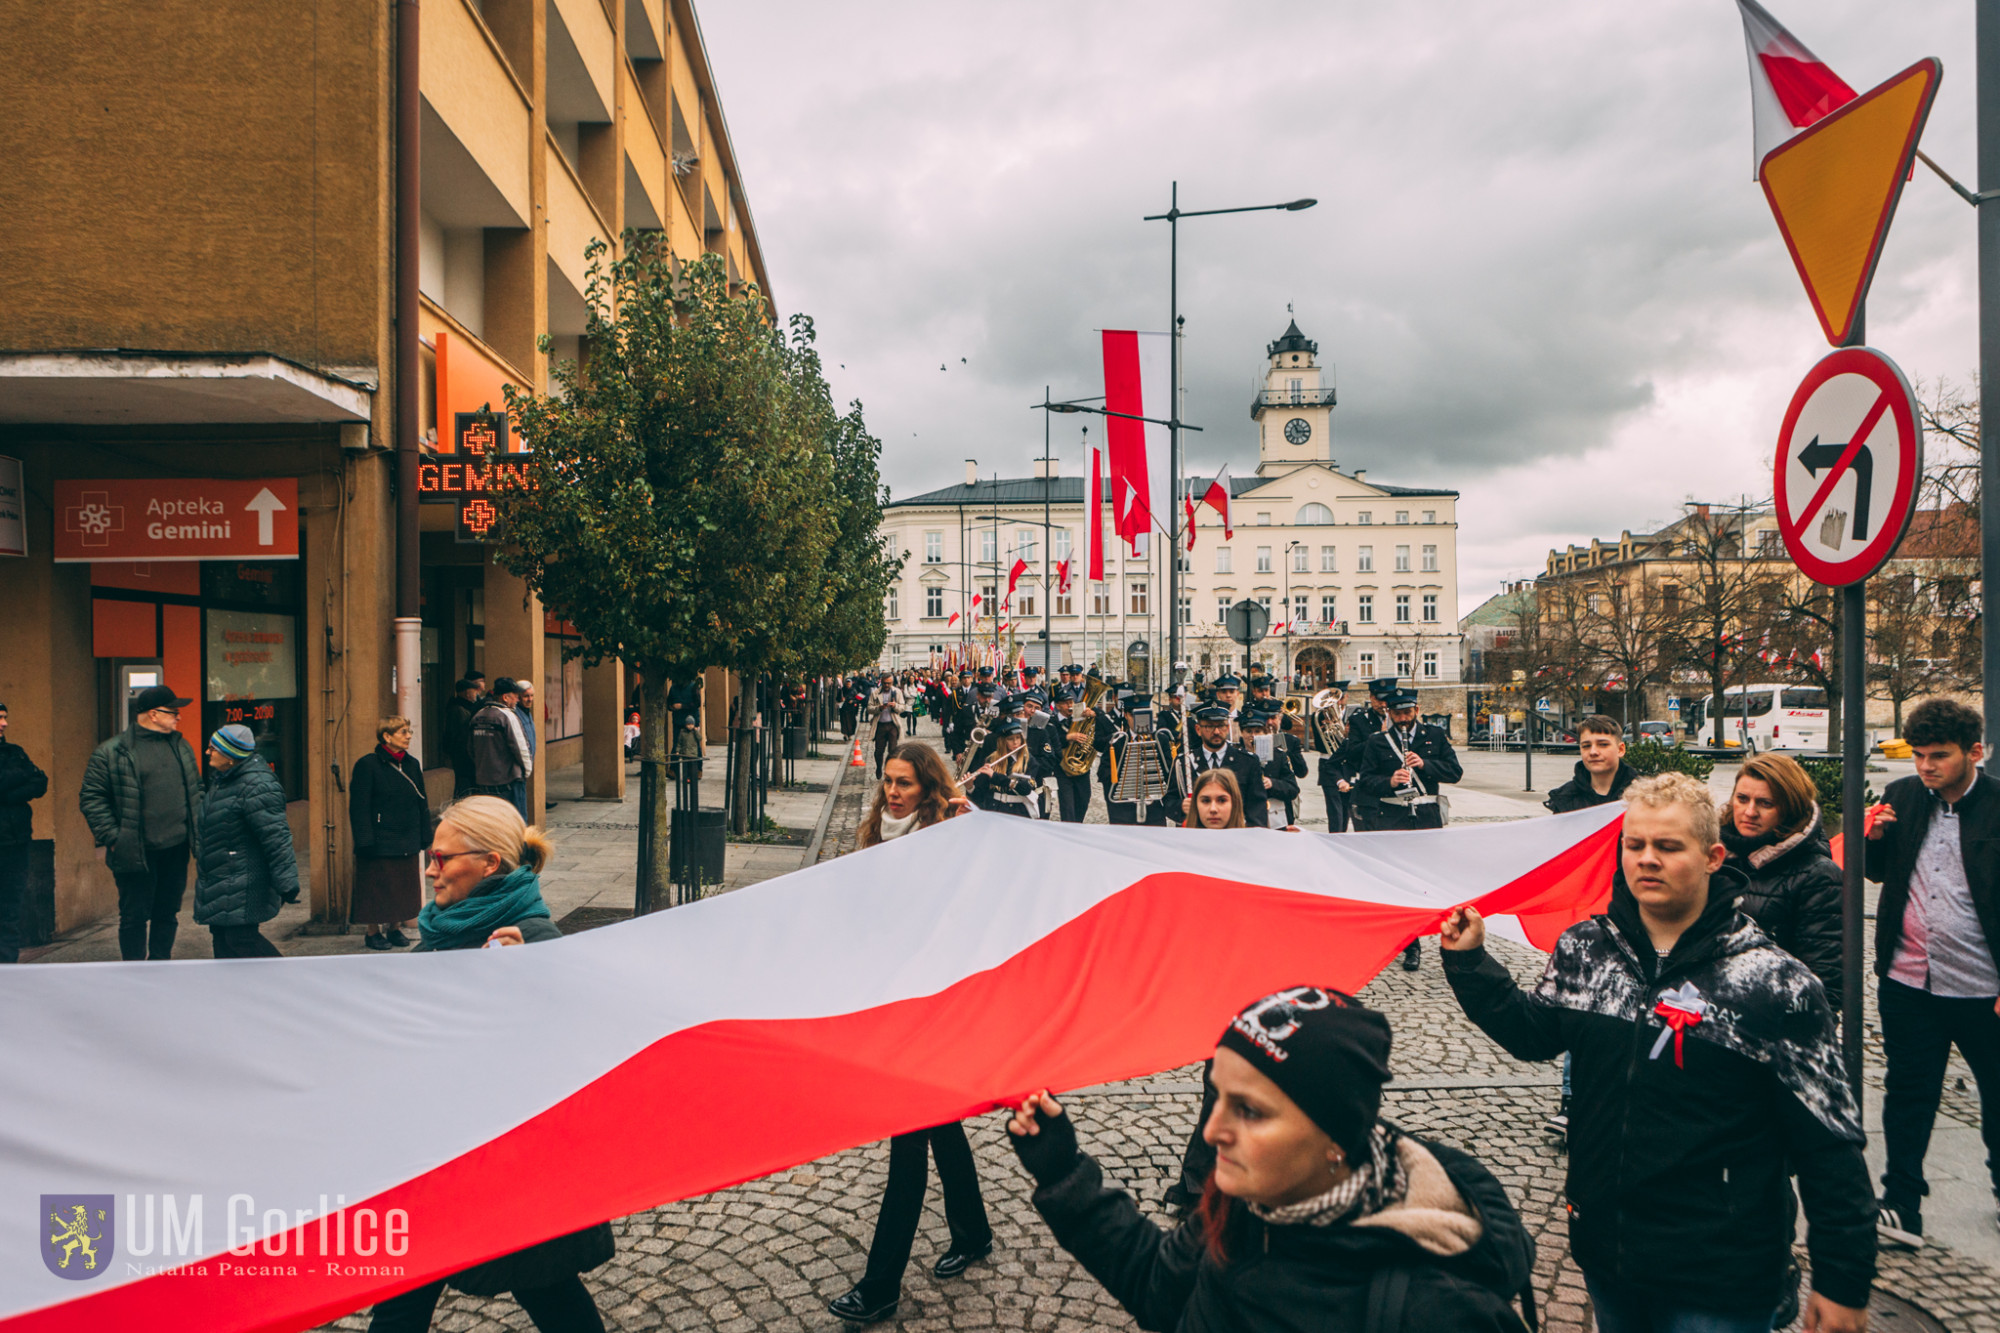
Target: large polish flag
<point>354,1126</point>
<point>1137,384</point>
<point>1790,87</point>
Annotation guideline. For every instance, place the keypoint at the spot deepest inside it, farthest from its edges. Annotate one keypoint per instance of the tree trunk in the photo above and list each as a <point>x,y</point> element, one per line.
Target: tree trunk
<point>654,743</point>
<point>744,740</point>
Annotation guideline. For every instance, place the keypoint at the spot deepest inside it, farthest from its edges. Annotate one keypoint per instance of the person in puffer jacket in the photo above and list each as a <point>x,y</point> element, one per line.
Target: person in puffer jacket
<point>1706,1069</point>
<point>1319,1214</point>
<point>1775,836</point>
<point>244,866</point>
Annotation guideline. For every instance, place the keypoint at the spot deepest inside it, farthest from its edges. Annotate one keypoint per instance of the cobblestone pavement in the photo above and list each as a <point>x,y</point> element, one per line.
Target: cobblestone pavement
<point>769,1254</point>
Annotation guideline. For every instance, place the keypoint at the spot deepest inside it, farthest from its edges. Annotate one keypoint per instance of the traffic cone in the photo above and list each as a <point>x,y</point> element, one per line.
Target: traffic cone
<point>857,761</point>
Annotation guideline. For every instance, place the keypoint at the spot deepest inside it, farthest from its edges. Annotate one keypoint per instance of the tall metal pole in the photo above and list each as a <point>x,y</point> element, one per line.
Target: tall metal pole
<point>1048,551</point>
<point>1987,42</point>
<point>1174,422</point>
<point>1854,778</point>
<point>409,568</point>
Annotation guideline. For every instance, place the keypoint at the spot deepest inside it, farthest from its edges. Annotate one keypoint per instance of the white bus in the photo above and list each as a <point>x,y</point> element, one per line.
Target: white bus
<point>1764,717</point>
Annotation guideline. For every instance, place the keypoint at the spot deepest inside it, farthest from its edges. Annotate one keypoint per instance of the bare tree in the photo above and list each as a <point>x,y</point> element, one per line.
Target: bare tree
<point>1626,629</point>
<point>1711,597</point>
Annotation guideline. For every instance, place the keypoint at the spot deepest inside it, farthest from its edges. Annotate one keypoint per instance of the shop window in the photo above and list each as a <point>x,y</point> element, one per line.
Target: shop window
<point>561,695</point>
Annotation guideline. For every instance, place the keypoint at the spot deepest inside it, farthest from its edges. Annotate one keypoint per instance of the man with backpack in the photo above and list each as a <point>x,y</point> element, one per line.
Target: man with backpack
<point>501,759</point>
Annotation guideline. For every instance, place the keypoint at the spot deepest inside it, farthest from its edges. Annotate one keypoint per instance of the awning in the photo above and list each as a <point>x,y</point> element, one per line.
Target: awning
<point>113,388</point>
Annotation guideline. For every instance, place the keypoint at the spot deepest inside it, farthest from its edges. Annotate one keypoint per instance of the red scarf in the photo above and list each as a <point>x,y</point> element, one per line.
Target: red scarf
<point>395,756</point>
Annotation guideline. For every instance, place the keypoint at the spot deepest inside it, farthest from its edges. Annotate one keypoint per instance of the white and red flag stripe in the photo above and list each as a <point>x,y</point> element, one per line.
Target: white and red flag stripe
<point>1094,521</point>
<point>492,1098</point>
<point>1217,497</point>
<point>1790,87</point>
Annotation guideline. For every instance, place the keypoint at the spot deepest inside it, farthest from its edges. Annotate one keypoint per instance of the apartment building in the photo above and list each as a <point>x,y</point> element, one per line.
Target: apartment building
<point>200,272</point>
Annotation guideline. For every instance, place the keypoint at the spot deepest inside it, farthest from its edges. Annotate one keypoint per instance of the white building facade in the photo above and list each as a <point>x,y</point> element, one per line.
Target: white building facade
<point>1360,577</point>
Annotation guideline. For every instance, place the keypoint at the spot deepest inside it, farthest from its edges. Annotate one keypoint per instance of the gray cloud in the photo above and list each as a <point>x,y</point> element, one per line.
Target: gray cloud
<point>1538,264</point>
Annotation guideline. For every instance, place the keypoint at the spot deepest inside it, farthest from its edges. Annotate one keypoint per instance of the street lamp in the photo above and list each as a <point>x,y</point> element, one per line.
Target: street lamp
<point>1289,668</point>
<point>1172,217</point>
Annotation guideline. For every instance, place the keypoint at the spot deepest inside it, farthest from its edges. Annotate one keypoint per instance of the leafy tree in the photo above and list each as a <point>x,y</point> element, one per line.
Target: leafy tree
<point>679,478</point>
<point>850,630</point>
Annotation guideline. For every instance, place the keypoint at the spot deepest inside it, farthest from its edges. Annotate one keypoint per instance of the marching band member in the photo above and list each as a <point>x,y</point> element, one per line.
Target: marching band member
<point>1402,769</point>
<point>1213,749</point>
<point>1336,777</point>
<point>1292,751</point>
<point>1005,784</point>
<point>1072,791</point>
<point>1229,696</point>
<point>1260,738</point>
<point>1362,723</point>
<point>1139,764</point>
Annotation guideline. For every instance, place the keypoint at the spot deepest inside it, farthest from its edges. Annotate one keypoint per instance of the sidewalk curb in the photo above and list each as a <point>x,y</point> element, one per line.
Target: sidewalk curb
<point>811,856</point>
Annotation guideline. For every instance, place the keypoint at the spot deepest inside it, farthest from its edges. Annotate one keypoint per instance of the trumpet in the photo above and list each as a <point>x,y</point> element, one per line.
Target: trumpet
<point>1081,748</point>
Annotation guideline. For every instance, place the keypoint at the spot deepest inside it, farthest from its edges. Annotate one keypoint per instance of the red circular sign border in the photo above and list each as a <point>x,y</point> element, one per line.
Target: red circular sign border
<point>1868,362</point>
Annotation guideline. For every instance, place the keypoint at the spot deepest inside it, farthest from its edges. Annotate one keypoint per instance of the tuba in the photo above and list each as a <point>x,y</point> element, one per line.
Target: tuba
<point>1081,748</point>
<point>1329,722</point>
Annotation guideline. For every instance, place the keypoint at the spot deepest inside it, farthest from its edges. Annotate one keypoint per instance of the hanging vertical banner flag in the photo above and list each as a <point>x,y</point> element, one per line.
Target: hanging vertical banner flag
<point>1014,579</point>
<point>1136,383</point>
<point>1095,519</point>
<point>1062,575</point>
<point>1187,502</point>
<point>1217,497</point>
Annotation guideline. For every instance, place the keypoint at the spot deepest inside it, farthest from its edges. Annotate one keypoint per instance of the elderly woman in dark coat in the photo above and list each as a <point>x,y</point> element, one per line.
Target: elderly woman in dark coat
<point>485,867</point>
<point>390,813</point>
<point>244,867</point>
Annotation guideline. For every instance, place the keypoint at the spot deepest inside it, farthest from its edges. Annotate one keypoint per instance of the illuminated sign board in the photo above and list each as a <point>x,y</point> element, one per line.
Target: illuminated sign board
<point>443,482</point>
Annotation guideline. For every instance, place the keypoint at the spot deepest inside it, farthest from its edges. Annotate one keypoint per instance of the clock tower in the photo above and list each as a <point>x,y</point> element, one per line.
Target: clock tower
<point>1294,412</point>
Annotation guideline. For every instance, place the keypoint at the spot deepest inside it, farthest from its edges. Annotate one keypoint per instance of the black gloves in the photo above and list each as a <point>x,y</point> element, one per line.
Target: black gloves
<point>1050,1154</point>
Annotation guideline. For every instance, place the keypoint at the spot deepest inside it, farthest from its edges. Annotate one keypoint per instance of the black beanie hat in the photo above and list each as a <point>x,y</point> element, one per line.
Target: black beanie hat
<point>1327,1051</point>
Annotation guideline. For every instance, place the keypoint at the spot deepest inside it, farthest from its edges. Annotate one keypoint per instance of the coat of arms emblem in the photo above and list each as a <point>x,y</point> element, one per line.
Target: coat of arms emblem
<point>79,1234</point>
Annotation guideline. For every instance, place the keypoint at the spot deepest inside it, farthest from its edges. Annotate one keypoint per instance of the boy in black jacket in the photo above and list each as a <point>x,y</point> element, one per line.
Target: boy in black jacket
<point>1706,1067</point>
<point>1602,775</point>
<point>1933,849</point>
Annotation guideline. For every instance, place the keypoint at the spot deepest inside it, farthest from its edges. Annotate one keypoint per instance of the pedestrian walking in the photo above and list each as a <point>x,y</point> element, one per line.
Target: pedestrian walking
<point>466,695</point>
<point>501,761</point>
<point>1930,843</point>
<point>1601,775</point>
<point>524,709</point>
<point>390,813</point>
<point>631,735</point>
<point>915,793</point>
<point>887,702</point>
<point>1318,1214</point>
<point>1707,1068</point>
<point>1776,840</point>
<point>850,709</point>
<point>21,781</point>
<point>485,868</point>
<point>140,792</point>
<point>245,868</point>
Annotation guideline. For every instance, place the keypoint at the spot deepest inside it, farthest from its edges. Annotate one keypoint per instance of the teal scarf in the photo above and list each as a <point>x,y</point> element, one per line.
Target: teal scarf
<point>500,900</point>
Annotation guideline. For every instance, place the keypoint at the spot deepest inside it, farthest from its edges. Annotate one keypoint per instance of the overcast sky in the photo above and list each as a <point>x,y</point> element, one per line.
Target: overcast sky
<point>1539,265</point>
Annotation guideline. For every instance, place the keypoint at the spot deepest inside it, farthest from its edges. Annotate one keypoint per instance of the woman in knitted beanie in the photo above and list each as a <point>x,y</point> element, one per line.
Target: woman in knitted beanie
<point>1318,1214</point>
<point>244,866</point>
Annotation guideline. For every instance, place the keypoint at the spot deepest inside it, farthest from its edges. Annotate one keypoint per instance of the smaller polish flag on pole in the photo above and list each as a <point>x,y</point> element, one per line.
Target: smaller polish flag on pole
<point>953,621</point>
<point>1062,575</point>
<point>1217,498</point>
<point>1791,89</point>
<point>1187,501</point>
<point>1014,578</point>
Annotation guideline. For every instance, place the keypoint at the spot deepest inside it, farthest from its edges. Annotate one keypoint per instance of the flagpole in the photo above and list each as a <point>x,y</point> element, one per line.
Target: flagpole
<point>1048,565</point>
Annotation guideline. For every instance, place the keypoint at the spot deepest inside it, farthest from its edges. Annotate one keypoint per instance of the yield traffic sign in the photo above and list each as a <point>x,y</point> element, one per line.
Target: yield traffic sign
<point>1833,189</point>
<point>1850,456</point>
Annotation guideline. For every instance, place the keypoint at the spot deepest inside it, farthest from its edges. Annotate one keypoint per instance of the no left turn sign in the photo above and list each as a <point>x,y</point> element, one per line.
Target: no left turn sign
<point>1850,456</point>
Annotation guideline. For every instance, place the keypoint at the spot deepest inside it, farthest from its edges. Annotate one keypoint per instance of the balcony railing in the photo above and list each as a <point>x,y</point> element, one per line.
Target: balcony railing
<point>1292,398</point>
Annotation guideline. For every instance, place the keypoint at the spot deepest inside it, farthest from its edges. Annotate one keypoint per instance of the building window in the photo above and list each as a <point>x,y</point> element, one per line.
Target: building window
<point>1327,603</point>
<point>1364,561</point>
<point>1364,517</point>
<point>1367,611</point>
<point>1100,600</point>
<point>1024,543</point>
<point>989,546</point>
<point>1301,608</point>
<point>1367,666</point>
<point>1060,540</point>
<point>1430,559</point>
<point>1315,515</point>
<point>1263,560</point>
<point>1222,561</point>
<point>1770,544</point>
<point>1670,599</point>
<point>1430,608</point>
<point>1263,520</point>
<point>1402,559</point>
<point>889,606</point>
<point>1301,559</point>
<point>933,601</point>
<point>1402,516</point>
<point>1402,608</point>
<point>1430,666</point>
<point>1264,600</point>
<point>1187,610</point>
<point>1065,604</point>
<point>1222,605</point>
<point>1298,389</point>
<point>1327,564</point>
<point>933,548</point>
<point>1141,604</point>
<point>1402,664</point>
<point>1185,561</point>
<point>1025,603</point>
<point>1430,516</point>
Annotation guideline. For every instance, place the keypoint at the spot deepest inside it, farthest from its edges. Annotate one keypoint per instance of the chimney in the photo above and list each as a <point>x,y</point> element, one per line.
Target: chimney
<point>972,472</point>
<point>1048,467</point>
<point>1701,511</point>
<point>1361,474</point>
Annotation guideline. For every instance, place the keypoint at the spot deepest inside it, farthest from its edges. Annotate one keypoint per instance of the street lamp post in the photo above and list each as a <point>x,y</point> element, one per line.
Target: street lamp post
<point>1286,675</point>
<point>1172,217</point>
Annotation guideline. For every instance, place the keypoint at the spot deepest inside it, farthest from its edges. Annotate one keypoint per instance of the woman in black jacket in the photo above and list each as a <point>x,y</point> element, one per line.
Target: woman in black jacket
<point>1772,829</point>
<point>485,867</point>
<point>244,862</point>
<point>390,813</point>
<point>1319,1214</point>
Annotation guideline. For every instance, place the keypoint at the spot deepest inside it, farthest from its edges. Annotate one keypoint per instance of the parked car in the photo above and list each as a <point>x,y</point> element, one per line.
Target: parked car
<point>1661,733</point>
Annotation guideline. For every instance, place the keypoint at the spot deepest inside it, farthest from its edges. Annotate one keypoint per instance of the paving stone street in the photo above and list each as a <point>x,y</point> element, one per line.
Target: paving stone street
<point>767,1255</point>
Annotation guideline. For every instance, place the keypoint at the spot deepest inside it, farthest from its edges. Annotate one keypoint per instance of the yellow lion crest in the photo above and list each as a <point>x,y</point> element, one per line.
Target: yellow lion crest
<point>73,1234</point>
